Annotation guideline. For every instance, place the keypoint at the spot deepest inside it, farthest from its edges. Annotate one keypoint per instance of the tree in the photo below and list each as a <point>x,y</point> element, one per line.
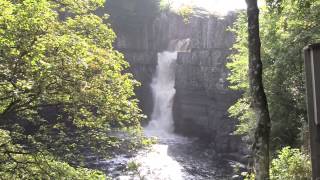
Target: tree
<point>62,86</point>
<point>284,31</point>
<point>259,99</point>
<point>283,35</point>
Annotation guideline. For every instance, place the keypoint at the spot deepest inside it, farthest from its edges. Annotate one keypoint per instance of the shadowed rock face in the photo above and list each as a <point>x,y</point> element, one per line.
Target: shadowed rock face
<point>202,97</point>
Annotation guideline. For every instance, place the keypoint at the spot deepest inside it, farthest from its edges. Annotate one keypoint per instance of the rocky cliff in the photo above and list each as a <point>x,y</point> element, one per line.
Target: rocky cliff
<point>202,97</point>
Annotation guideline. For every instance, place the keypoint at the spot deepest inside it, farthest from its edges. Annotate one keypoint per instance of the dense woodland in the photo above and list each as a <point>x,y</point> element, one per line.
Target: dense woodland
<point>64,90</point>
<point>286,27</point>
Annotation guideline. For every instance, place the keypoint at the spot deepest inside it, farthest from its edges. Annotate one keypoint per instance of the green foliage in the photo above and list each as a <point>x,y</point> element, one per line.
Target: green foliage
<point>238,78</point>
<point>290,164</point>
<point>62,86</point>
<point>77,7</point>
<point>283,34</point>
<point>19,164</point>
<point>248,176</point>
<point>238,64</point>
<point>134,168</point>
<point>186,13</point>
<point>165,5</point>
<point>242,111</point>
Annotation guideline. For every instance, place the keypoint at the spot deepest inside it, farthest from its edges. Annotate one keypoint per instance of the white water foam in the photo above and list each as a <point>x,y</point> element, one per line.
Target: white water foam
<point>157,164</point>
<point>161,124</point>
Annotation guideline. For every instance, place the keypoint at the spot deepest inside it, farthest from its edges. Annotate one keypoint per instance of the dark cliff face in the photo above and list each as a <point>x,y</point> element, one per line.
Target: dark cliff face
<point>202,97</point>
<point>132,21</point>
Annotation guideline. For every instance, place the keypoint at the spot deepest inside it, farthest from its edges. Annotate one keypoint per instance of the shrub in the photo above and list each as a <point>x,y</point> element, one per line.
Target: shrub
<point>290,164</point>
<point>186,12</point>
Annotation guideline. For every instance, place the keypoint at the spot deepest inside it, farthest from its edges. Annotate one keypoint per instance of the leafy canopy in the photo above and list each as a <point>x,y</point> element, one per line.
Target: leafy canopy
<point>283,34</point>
<point>62,87</point>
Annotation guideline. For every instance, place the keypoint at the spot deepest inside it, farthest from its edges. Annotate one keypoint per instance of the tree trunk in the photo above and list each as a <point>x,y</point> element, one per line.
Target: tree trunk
<point>259,99</point>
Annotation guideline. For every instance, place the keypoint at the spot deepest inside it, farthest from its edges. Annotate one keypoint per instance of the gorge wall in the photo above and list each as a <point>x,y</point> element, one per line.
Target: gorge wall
<point>202,96</point>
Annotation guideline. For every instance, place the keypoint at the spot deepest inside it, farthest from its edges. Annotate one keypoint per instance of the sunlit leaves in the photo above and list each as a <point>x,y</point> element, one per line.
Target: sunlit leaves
<point>186,13</point>
<point>290,164</point>
<point>76,6</point>
<point>62,85</point>
<point>238,64</point>
<point>284,33</point>
<point>18,164</point>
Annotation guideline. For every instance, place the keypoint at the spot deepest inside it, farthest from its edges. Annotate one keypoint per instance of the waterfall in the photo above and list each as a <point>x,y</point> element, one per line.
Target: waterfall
<point>169,158</point>
<point>163,93</point>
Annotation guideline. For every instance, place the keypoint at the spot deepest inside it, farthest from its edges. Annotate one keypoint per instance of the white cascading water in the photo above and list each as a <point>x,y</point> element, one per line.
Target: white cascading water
<point>157,163</point>
<point>163,90</point>
<point>172,157</point>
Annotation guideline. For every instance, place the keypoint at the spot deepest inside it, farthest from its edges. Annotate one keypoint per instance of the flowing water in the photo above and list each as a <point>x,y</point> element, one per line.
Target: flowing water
<point>163,91</point>
<point>173,157</point>
<point>157,164</point>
